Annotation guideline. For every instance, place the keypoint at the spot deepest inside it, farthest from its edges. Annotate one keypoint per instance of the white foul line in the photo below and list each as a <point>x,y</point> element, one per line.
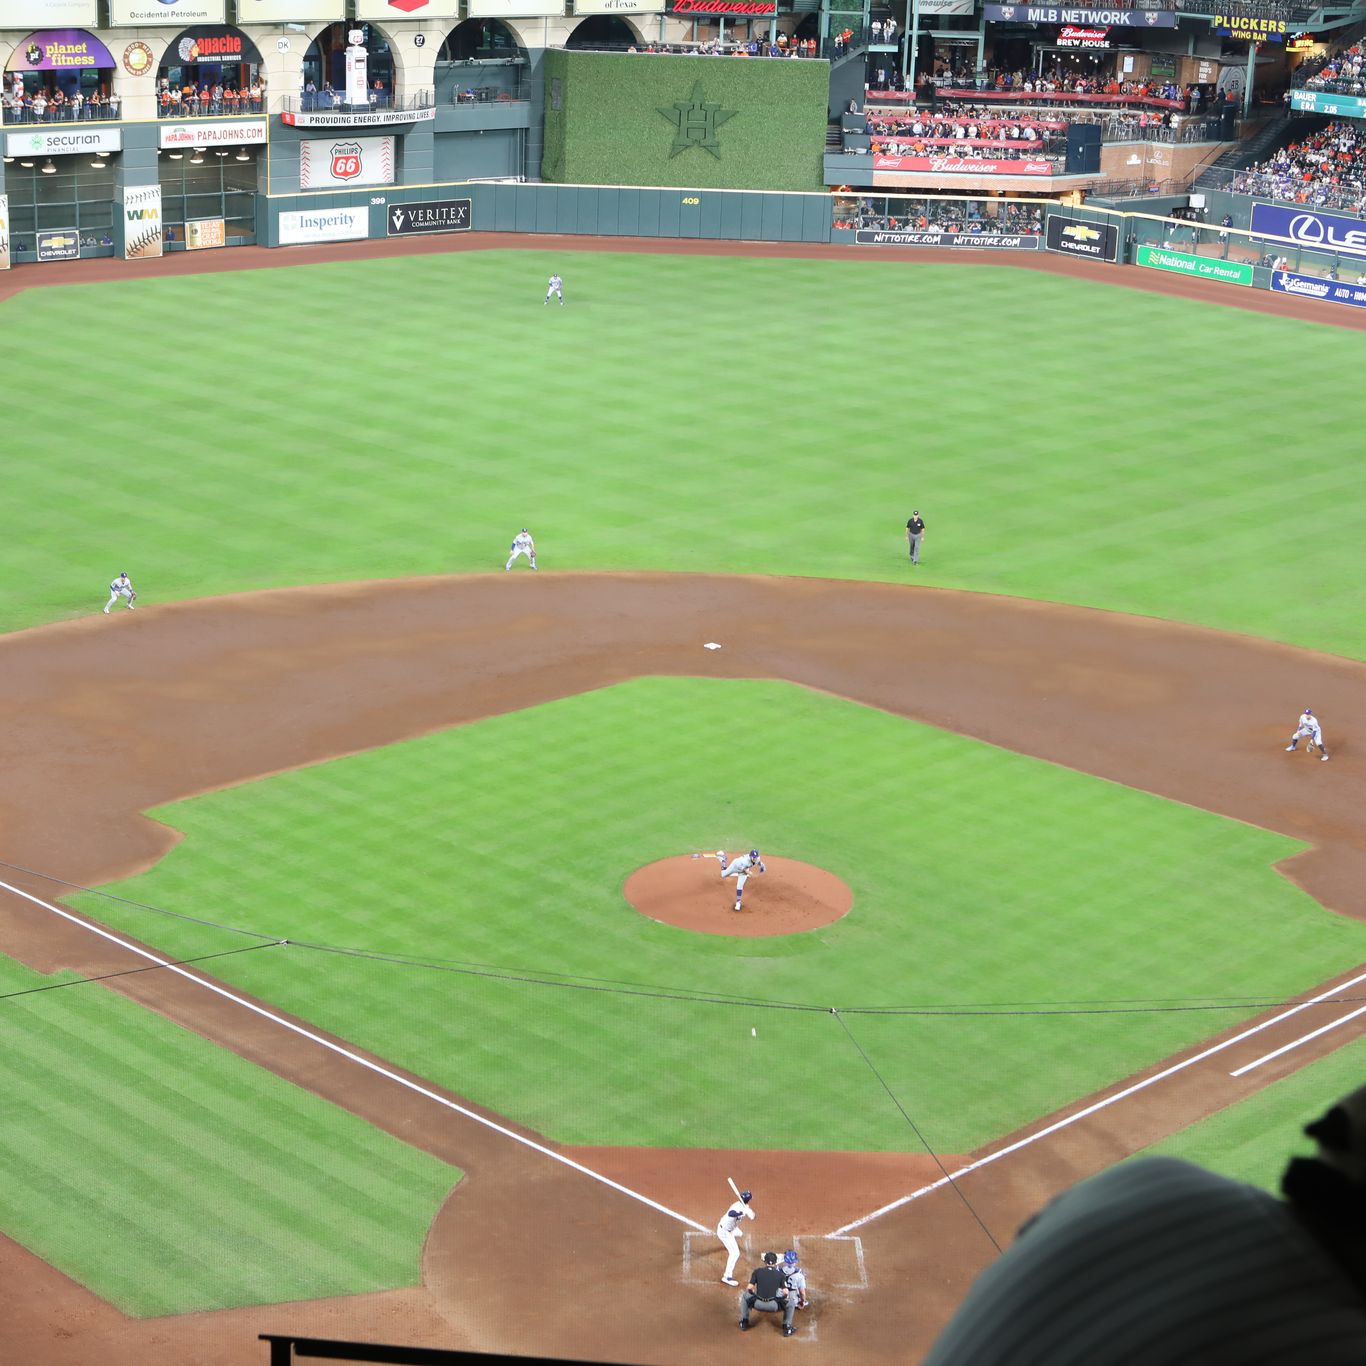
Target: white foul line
<point>1092,1109</point>
<point>353,1057</point>
<point>1304,1038</point>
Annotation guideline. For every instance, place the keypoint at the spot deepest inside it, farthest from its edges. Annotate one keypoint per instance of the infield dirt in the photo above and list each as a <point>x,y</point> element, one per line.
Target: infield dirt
<point>109,717</point>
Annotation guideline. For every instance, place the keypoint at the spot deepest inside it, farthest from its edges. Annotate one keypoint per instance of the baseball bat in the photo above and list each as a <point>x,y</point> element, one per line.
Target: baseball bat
<point>734,1187</point>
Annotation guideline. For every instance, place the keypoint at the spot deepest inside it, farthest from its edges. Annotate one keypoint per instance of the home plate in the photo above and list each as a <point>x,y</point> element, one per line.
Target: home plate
<point>711,645</point>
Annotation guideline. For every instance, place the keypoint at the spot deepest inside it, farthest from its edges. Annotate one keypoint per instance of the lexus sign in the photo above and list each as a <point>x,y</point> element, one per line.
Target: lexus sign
<point>428,215</point>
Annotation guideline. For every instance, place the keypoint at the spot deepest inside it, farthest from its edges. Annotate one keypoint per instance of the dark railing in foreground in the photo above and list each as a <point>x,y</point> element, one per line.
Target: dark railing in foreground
<point>286,1349</point>
<point>62,113</point>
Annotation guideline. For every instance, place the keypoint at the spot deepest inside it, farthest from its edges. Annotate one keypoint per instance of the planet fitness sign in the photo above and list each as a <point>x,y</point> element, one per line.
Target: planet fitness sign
<point>60,49</point>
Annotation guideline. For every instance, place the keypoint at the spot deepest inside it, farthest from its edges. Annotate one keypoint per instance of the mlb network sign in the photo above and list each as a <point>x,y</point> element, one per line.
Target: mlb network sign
<point>1310,228</point>
<point>1083,18</point>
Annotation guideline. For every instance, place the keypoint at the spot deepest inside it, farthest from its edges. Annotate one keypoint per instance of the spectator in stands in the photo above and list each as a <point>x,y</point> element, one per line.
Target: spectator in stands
<point>1326,169</point>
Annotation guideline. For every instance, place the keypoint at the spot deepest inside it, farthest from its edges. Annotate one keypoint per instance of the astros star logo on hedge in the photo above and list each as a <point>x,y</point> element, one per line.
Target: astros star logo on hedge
<point>696,122</point>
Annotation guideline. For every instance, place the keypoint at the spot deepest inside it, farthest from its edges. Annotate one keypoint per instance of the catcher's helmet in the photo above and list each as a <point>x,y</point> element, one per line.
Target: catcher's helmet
<point>770,1259</point>
<point>746,1196</point>
<point>790,1257</point>
<point>754,853</point>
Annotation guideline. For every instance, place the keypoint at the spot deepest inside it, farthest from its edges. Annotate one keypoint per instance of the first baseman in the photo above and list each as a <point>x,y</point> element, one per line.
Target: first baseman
<point>555,287</point>
<point>1307,727</point>
<point>725,1231</point>
<point>740,869</point>
<point>121,587</point>
<point>522,544</point>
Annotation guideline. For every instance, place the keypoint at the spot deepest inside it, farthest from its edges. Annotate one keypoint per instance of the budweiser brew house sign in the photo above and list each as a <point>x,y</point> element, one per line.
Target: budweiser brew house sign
<point>742,8</point>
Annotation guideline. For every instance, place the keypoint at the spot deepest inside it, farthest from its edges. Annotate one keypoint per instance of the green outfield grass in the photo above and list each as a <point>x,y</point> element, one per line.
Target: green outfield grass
<point>168,1175</point>
<point>1064,440</point>
<point>1254,1140</point>
<point>981,878</point>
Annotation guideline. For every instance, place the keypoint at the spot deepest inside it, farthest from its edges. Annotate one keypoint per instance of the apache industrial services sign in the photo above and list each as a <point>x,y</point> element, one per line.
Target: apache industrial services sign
<point>428,215</point>
<point>1084,18</point>
<point>878,237</point>
<point>1309,228</point>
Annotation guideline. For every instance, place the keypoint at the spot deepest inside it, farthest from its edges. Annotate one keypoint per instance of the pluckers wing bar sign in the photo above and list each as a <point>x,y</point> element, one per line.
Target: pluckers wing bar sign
<point>1254,30</point>
<point>740,7</point>
<point>1086,18</point>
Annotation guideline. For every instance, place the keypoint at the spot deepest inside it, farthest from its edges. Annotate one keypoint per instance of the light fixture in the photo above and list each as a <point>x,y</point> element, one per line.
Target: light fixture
<point>175,156</point>
<point>198,158</point>
<point>242,154</point>
<point>101,155</point>
<point>8,160</point>
<point>49,168</point>
<point>220,154</point>
<point>27,165</point>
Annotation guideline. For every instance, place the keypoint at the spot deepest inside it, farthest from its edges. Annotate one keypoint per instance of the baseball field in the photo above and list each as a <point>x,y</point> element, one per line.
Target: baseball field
<point>362,924</point>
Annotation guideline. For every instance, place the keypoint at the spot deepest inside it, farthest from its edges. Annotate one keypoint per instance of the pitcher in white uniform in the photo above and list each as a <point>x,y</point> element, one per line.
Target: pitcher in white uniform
<point>740,869</point>
<point>725,1231</point>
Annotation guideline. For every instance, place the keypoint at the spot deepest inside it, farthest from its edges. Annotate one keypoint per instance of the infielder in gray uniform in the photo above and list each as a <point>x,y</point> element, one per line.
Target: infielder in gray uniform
<point>740,869</point>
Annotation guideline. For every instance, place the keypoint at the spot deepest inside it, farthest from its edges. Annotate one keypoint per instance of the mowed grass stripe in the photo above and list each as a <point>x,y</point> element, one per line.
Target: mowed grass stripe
<point>168,1175</point>
<point>1253,1140</point>
<point>1065,440</point>
<point>981,878</point>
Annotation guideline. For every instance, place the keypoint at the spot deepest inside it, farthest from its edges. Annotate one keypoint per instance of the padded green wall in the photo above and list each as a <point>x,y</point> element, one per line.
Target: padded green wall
<point>603,124</point>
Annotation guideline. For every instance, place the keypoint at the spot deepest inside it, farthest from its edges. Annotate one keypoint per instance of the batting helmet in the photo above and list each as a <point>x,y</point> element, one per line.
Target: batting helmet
<point>754,853</point>
<point>746,1196</point>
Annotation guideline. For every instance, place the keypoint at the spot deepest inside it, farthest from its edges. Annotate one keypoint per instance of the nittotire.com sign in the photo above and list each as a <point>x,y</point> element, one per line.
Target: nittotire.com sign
<point>979,241</point>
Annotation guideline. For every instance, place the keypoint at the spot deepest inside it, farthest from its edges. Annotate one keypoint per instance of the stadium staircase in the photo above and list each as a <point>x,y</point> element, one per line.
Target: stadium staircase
<point>1272,136</point>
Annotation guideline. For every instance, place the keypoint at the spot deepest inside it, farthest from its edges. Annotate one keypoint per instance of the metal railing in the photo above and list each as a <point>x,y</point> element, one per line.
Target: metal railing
<point>328,100</point>
<point>66,112</point>
<point>203,104</point>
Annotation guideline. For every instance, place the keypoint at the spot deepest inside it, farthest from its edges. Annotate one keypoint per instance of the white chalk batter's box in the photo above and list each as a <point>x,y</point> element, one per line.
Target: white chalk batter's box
<point>831,1264</point>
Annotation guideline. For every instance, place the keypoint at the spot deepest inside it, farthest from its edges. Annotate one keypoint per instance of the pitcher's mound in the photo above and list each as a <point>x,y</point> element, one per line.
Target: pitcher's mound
<point>688,892</point>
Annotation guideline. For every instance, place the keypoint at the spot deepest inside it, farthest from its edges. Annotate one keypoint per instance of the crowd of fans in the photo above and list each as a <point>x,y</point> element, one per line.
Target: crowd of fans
<point>1326,169</point>
<point>1344,73</point>
<point>187,101</point>
<point>970,127</point>
<point>785,46</point>
<point>56,105</point>
<point>947,216</point>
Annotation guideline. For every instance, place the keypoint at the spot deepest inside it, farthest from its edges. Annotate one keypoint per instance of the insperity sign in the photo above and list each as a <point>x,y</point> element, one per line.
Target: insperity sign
<point>1087,18</point>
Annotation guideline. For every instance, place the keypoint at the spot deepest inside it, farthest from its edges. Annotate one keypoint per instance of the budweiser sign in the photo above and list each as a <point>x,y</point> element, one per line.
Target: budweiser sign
<point>725,6</point>
<point>1072,36</point>
<point>963,165</point>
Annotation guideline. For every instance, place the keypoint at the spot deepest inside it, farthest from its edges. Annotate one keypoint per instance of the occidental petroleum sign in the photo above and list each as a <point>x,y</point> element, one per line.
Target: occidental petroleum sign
<point>1320,231</point>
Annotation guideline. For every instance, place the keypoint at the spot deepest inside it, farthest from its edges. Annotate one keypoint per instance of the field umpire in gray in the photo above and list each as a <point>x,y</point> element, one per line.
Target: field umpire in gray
<point>915,534</point>
<point>767,1289</point>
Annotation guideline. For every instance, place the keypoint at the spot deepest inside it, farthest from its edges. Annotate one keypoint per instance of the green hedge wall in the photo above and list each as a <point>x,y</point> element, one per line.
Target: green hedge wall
<point>764,119</point>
